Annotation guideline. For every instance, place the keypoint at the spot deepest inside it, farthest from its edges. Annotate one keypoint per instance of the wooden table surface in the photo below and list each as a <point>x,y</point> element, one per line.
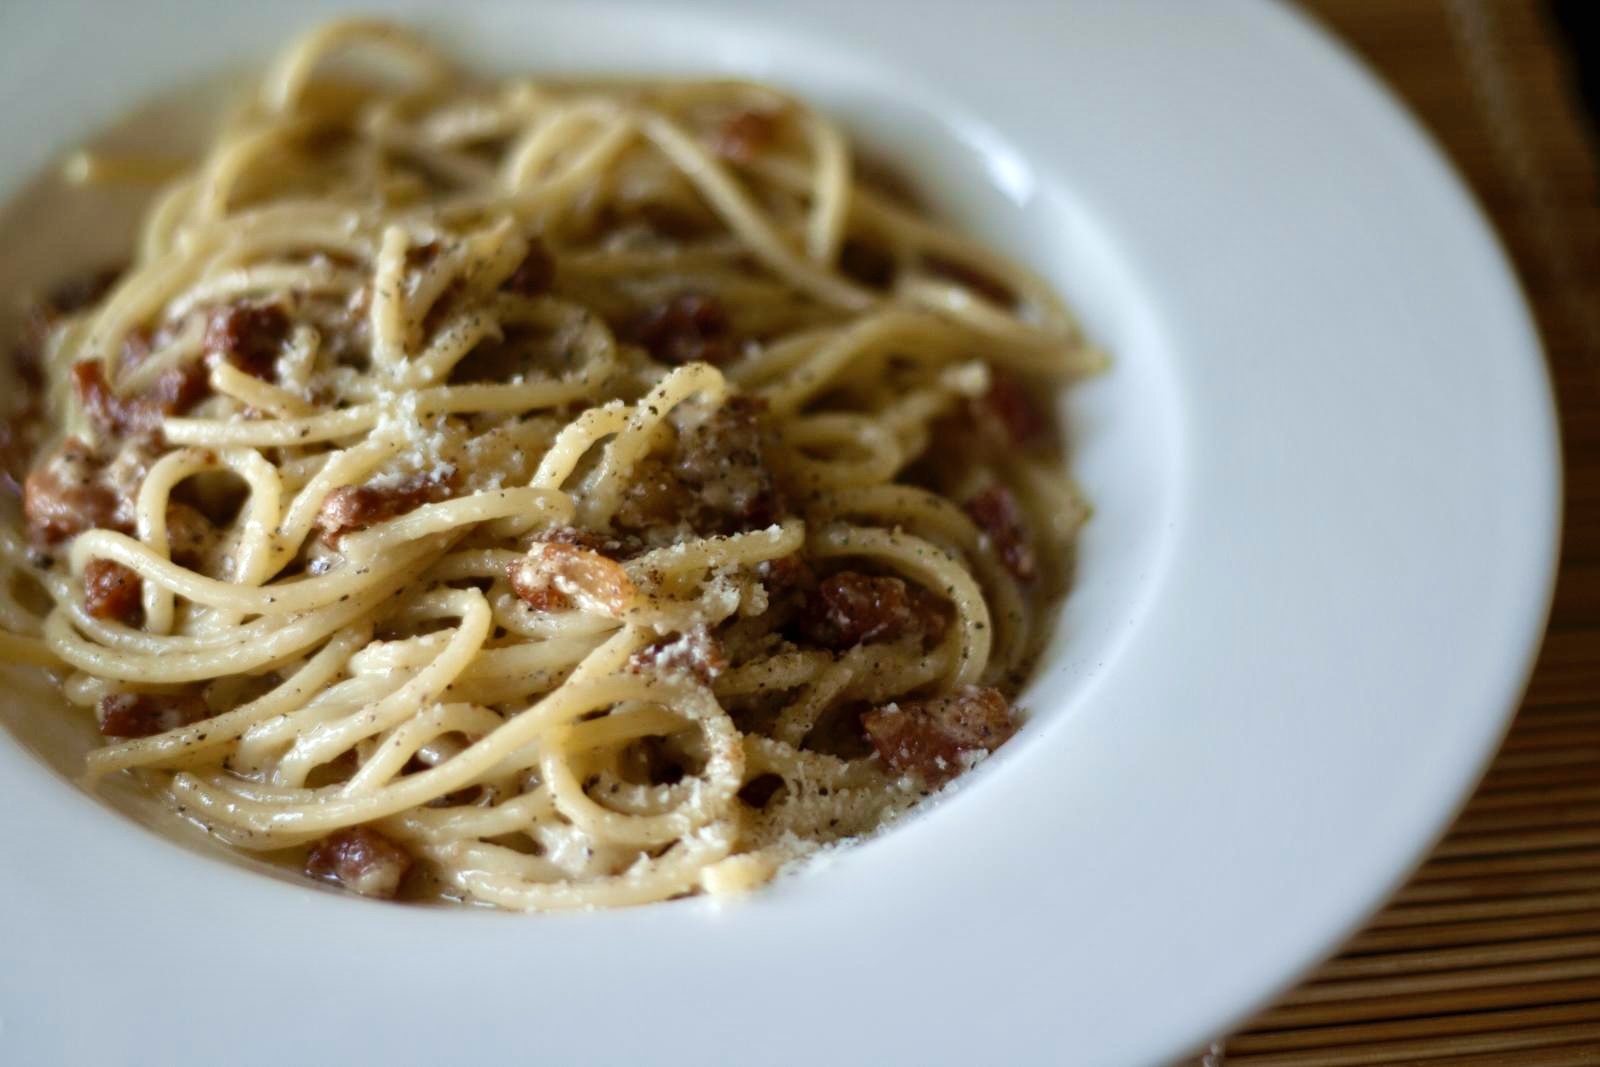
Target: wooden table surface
<point>1491,955</point>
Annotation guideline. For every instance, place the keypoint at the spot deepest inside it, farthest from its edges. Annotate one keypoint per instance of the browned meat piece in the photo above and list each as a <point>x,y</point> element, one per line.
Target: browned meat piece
<point>867,263</point>
<point>189,534</point>
<point>250,336</point>
<point>723,463</point>
<point>543,598</point>
<point>65,495</point>
<point>24,426</point>
<point>554,577</point>
<point>850,609</point>
<point>27,358</point>
<point>177,390</point>
<point>717,477</point>
<point>535,274</point>
<point>983,284</point>
<point>746,135</point>
<point>109,412</point>
<point>785,573</point>
<point>111,591</point>
<point>147,714</point>
<point>356,507</point>
<point>1000,517</point>
<point>361,860</point>
<point>1019,412</point>
<point>687,328</point>
<point>695,652</point>
<point>930,737</point>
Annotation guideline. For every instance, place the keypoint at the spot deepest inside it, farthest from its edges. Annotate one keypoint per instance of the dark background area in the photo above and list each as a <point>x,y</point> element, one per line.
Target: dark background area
<point>1579,23</point>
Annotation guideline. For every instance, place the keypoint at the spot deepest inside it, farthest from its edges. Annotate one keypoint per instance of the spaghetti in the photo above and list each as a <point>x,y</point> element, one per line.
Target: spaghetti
<point>541,495</point>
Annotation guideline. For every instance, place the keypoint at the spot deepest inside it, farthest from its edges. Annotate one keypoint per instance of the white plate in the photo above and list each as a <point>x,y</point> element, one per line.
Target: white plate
<point>1326,475</point>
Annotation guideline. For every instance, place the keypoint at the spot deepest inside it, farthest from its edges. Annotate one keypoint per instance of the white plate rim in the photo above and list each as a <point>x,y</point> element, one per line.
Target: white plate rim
<point>1198,979</point>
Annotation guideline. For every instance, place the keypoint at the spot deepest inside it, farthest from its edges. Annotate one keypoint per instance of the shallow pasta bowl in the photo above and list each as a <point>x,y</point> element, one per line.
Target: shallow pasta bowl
<point>1326,487</point>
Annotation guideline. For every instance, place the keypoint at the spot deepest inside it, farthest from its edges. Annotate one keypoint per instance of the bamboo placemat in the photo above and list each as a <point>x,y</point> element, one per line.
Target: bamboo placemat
<point>1491,955</point>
